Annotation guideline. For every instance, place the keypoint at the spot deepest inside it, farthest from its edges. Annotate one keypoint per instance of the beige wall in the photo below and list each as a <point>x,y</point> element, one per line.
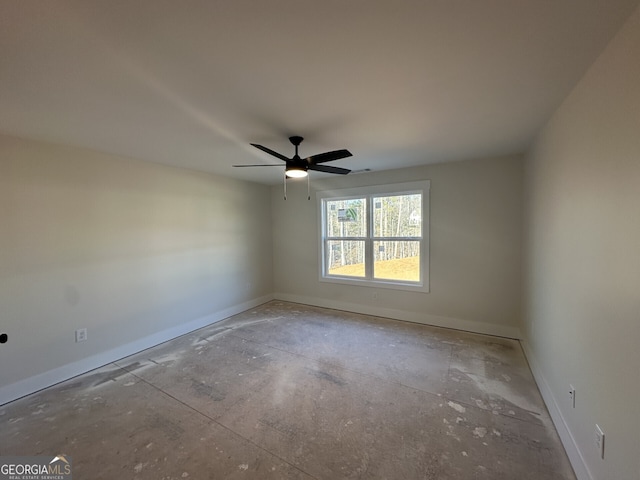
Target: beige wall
<point>133,251</point>
<point>583,262</point>
<point>475,243</point>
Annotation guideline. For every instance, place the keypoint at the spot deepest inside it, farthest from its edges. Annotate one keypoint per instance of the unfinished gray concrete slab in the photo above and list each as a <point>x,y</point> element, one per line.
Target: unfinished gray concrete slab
<point>115,425</point>
<point>290,391</point>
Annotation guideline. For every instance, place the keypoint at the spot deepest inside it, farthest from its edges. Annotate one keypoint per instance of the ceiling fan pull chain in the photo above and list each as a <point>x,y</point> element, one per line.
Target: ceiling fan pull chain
<point>285,185</point>
<point>308,194</point>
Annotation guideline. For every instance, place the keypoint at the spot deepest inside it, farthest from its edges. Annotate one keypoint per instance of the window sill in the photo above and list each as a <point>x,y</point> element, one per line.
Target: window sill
<point>363,282</point>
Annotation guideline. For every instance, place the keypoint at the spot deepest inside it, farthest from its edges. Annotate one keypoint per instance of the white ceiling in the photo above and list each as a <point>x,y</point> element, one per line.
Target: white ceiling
<point>192,83</point>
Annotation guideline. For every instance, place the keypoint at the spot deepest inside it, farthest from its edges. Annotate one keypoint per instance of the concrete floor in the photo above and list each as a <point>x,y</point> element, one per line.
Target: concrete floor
<point>287,391</point>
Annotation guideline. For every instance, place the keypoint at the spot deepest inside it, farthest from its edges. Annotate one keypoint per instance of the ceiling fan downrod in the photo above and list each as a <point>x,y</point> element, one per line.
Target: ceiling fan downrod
<point>296,140</point>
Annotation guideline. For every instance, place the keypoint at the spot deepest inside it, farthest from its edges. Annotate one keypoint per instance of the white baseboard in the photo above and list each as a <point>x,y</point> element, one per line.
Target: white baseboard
<point>19,389</point>
<point>566,437</point>
<point>423,318</point>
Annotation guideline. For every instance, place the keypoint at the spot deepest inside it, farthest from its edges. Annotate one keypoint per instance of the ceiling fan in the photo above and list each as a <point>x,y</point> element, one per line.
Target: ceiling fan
<point>297,167</point>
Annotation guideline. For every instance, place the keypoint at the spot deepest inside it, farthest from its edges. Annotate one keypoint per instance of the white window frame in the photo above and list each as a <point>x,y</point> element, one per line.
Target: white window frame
<point>368,193</point>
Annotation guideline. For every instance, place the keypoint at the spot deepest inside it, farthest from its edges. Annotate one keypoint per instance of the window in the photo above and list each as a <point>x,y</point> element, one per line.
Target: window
<point>376,235</point>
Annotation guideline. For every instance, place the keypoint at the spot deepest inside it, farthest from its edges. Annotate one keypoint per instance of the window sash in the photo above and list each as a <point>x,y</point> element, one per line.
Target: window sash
<point>384,198</point>
<point>352,269</point>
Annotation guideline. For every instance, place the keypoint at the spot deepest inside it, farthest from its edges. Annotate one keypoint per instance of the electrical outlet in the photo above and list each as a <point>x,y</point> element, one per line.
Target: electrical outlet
<point>600,441</point>
<point>572,396</point>
<point>81,335</point>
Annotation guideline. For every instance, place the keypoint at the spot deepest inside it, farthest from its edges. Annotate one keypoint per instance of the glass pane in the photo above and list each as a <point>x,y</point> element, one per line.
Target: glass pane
<point>345,258</point>
<point>397,216</point>
<point>397,260</point>
<point>346,218</point>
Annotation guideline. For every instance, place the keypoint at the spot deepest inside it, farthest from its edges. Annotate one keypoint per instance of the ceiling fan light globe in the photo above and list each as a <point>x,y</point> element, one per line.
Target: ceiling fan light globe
<point>295,173</point>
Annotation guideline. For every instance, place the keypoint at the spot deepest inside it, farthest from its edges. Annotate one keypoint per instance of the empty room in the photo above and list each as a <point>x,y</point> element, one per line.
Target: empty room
<point>320,240</point>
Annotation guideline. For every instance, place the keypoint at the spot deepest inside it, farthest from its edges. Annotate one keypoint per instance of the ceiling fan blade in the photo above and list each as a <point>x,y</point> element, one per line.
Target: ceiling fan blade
<point>329,169</point>
<point>329,156</point>
<point>271,152</point>
<point>259,165</point>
